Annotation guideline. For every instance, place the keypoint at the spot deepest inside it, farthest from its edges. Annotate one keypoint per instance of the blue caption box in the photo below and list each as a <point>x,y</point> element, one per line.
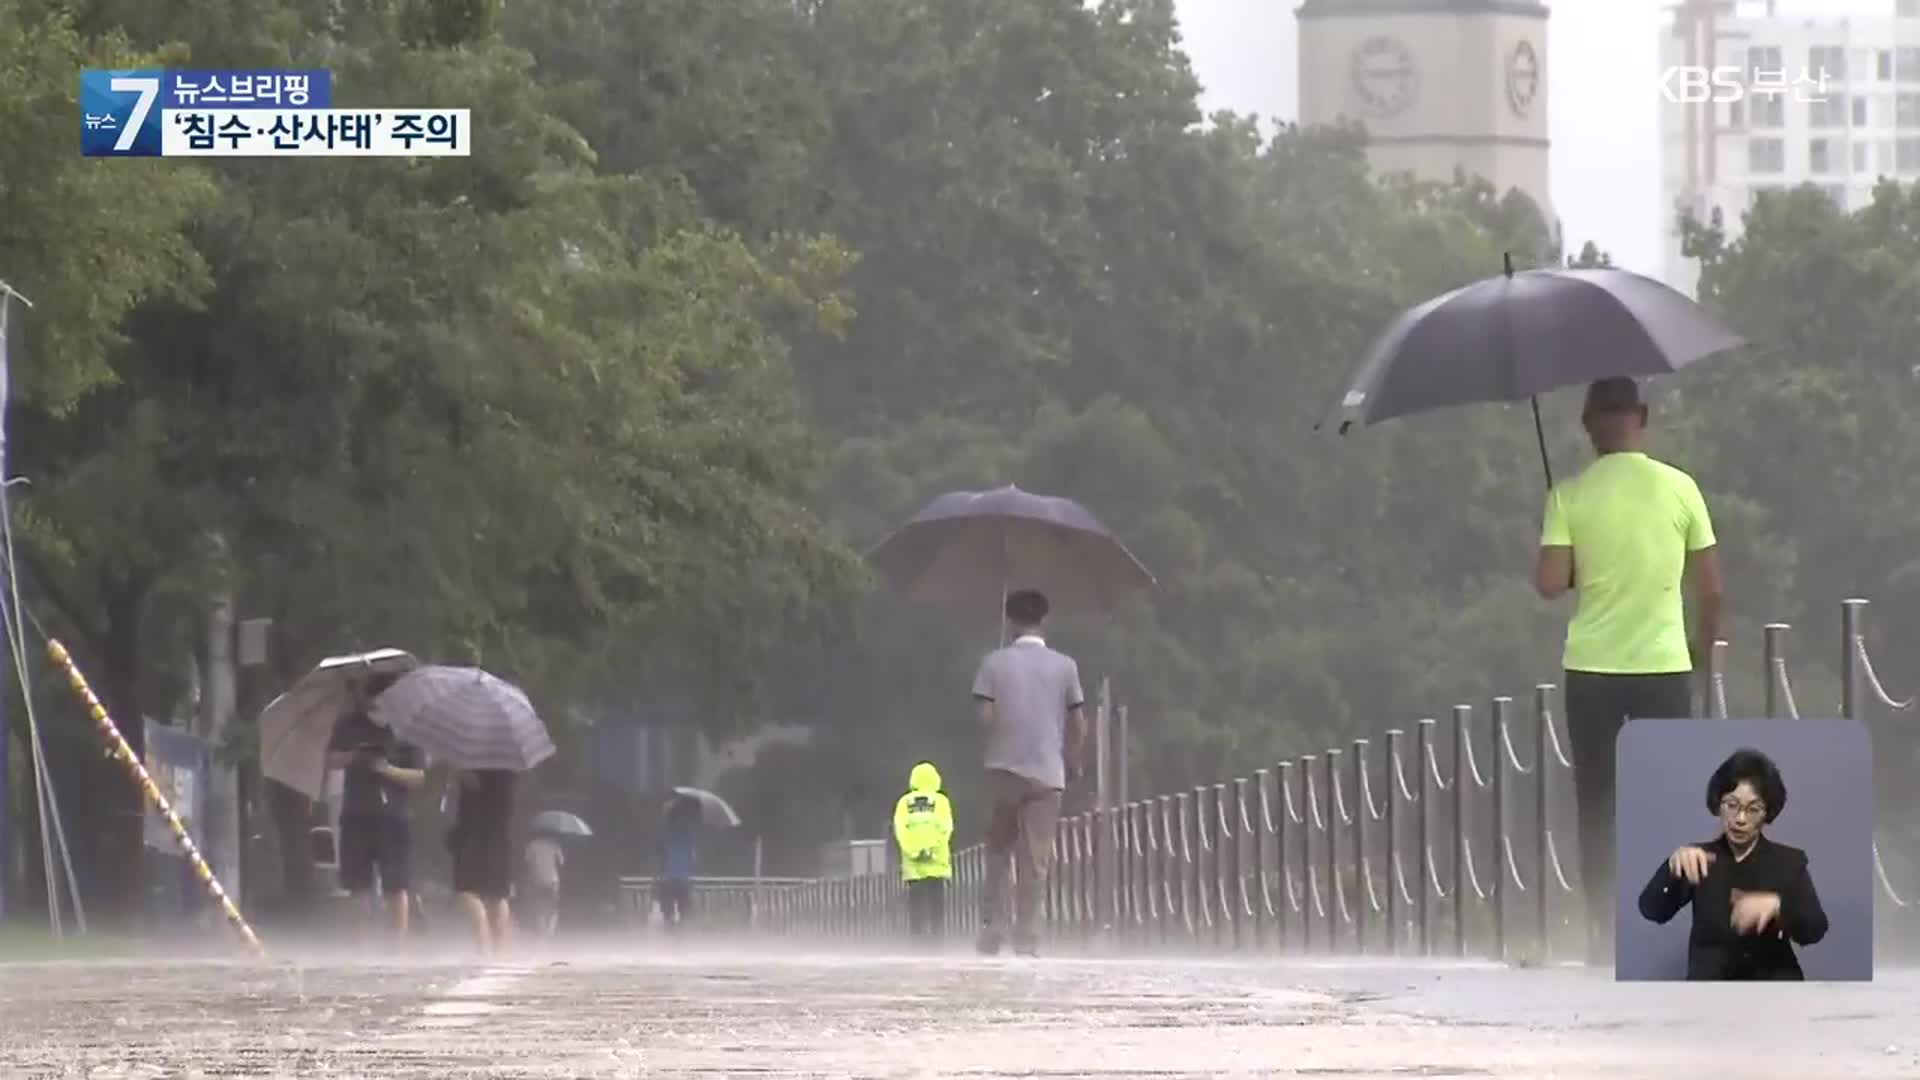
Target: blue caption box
<point>267,89</point>
<point>120,111</point>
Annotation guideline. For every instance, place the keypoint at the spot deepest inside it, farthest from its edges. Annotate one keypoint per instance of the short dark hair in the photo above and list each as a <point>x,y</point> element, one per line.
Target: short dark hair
<point>1612,396</point>
<point>1028,607</point>
<point>1749,766</point>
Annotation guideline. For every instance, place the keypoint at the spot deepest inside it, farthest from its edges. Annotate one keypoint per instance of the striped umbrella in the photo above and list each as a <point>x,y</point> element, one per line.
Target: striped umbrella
<point>465,717</point>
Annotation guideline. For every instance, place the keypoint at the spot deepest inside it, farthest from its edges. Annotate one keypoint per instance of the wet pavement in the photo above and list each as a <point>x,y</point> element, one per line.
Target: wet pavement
<point>615,1012</point>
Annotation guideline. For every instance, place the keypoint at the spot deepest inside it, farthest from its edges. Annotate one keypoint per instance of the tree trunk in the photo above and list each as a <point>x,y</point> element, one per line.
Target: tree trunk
<point>221,830</point>
<point>117,880</point>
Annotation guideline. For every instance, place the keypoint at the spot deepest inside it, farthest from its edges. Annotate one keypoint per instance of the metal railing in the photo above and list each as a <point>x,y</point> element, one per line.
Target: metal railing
<point>1338,852</point>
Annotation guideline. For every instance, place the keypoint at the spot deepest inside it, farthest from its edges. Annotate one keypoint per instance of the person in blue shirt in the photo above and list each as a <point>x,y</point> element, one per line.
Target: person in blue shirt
<point>673,885</point>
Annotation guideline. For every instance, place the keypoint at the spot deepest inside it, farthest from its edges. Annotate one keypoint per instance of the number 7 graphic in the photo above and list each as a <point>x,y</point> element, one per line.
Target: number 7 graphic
<point>148,89</point>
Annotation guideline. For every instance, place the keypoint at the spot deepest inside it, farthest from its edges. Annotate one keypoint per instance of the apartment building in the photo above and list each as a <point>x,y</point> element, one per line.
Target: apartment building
<point>1831,100</point>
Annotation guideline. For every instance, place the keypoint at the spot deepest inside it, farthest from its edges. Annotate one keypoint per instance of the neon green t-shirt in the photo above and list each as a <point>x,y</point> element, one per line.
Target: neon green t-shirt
<point>1631,522</point>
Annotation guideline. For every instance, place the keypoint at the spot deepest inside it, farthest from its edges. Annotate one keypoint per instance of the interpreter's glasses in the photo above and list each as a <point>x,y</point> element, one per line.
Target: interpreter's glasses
<point>1734,809</point>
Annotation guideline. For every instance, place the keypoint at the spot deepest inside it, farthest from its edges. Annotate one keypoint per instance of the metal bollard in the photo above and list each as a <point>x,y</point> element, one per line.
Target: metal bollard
<point>1543,739</point>
<point>1223,836</point>
<point>1423,831</point>
<point>1716,704</point>
<point>1310,898</point>
<point>1206,857</point>
<point>1169,869</point>
<point>1389,783</point>
<point>1774,643</point>
<point>1283,869</point>
<point>1242,902</point>
<point>1462,780</point>
<point>1362,811</point>
<point>1852,616</point>
<point>1185,864</point>
<point>1262,827</point>
<point>1336,932</point>
<point>1502,707</point>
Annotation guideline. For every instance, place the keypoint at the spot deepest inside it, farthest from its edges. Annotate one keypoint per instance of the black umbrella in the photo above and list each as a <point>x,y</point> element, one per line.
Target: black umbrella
<point>1520,335</point>
<point>966,547</point>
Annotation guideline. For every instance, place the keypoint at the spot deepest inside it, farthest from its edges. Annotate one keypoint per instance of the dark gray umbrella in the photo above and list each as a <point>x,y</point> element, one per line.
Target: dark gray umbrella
<point>968,549</point>
<point>1520,335</point>
<point>466,717</point>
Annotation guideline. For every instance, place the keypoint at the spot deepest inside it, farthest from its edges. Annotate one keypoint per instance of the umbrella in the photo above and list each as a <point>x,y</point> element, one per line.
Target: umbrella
<point>466,717</point>
<point>967,544</point>
<point>560,823</point>
<point>297,726</point>
<point>714,810</point>
<point>1520,335</point>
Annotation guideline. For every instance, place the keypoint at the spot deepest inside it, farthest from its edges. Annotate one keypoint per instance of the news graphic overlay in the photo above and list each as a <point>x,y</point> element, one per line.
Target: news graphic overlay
<point>171,113</point>
<point>1812,848</point>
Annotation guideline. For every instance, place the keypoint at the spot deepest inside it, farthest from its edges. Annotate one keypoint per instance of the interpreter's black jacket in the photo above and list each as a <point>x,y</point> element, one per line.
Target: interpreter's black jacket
<point>1714,950</point>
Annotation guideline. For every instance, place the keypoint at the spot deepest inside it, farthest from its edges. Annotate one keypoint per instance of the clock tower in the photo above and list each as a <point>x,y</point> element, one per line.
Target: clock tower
<point>1439,85</point>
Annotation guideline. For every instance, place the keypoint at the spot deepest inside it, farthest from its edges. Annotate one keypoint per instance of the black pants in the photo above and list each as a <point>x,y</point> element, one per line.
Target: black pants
<point>927,908</point>
<point>1598,706</point>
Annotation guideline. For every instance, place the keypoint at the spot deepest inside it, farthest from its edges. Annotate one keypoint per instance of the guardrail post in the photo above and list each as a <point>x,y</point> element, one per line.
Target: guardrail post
<point>1185,864</point>
<point>1336,933</point>
<point>1462,780</point>
<point>1262,826</point>
<point>1389,781</point>
<point>1362,811</point>
<point>1774,640</point>
<point>1543,740</point>
<point>1240,826</point>
<point>1222,834</point>
<point>1310,900</point>
<point>1852,614</point>
<point>1423,791</point>
<point>1283,868</point>
<point>1502,706</point>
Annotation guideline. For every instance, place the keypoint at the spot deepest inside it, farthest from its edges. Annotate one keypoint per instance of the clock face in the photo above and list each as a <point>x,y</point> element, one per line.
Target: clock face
<point>1523,78</point>
<point>1384,77</point>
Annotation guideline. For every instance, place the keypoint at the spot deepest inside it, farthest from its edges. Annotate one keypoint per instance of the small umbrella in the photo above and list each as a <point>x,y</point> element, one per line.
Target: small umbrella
<point>465,717</point>
<point>297,726</point>
<point>714,810</point>
<point>560,823</point>
<point>967,545</point>
<point>1520,335</point>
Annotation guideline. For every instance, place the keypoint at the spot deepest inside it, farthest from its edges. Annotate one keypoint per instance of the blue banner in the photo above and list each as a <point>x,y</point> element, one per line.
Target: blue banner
<point>177,761</point>
<point>266,89</point>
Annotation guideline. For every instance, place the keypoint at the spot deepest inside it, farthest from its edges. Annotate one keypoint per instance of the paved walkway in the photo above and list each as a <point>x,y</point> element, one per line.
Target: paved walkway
<point>709,1014</point>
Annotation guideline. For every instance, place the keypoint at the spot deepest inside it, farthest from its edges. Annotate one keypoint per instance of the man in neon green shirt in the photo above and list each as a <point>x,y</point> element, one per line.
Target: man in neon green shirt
<point>1627,535</point>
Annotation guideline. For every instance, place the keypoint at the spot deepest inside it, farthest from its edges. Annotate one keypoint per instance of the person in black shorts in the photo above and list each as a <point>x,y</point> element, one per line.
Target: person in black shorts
<point>376,807</point>
<point>482,846</point>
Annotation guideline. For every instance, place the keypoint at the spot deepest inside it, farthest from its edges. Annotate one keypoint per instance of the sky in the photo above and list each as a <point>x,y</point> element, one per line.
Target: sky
<point>1606,150</point>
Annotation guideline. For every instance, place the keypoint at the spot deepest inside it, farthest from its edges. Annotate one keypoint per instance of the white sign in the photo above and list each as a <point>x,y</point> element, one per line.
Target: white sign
<point>1692,84</point>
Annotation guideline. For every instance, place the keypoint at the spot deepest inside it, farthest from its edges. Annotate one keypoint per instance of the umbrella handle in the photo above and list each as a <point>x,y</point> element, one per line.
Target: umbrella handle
<point>1540,435</point>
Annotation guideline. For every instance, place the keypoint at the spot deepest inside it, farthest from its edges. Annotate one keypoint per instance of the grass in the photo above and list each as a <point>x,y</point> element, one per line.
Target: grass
<point>32,944</point>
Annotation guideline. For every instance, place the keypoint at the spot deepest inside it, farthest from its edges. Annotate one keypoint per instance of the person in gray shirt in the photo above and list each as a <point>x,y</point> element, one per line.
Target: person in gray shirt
<point>1033,709</point>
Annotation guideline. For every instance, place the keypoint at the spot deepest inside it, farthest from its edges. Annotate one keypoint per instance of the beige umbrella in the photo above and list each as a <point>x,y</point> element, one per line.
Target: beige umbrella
<point>297,726</point>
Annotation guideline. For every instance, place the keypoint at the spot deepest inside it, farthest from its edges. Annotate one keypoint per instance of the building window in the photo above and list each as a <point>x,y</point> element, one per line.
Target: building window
<point>1906,110</point>
<point>1765,60</point>
<point>1820,156</point>
<point>1769,110</point>
<point>1887,166</point>
<point>1860,163</point>
<point>1906,156</point>
<point>1828,63</point>
<point>1906,64</point>
<point>1883,65</point>
<point>1736,114</point>
<point>1859,112</point>
<point>1827,112</point>
<point>1766,155</point>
